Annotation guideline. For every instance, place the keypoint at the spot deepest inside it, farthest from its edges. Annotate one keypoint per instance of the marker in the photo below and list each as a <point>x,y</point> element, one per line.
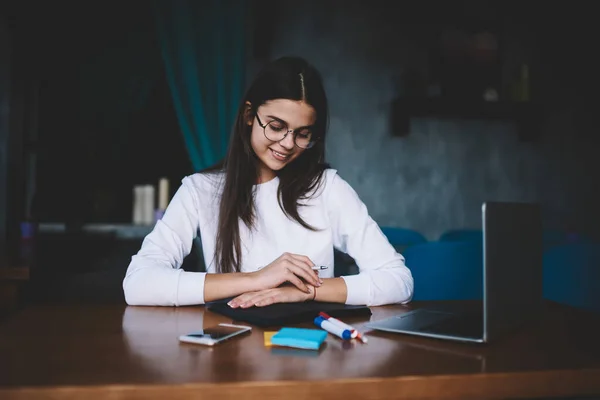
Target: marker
<point>361,338</point>
<point>343,325</point>
<point>339,323</point>
<point>332,328</point>
<point>319,268</point>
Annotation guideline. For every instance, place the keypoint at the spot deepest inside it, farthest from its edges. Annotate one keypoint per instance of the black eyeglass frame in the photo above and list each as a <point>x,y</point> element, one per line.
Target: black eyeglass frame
<point>264,126</point>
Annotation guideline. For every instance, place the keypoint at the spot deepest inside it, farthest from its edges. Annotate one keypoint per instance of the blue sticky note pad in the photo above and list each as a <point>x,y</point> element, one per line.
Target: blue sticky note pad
<point>300,338</point>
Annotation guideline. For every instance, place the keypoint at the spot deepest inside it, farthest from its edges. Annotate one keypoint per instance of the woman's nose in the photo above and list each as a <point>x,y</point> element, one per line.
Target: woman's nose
<point>288,140</point>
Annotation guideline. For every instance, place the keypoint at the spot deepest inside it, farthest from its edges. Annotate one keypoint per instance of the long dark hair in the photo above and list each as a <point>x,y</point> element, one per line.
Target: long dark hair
<point>289,78</point>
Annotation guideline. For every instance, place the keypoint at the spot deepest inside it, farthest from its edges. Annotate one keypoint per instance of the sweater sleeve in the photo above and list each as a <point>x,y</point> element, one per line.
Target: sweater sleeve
<point>154,276</point>
<point>383,276</point>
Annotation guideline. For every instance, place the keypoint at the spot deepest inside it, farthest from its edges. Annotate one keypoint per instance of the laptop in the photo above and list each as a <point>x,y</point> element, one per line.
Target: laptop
<point>512,283</point>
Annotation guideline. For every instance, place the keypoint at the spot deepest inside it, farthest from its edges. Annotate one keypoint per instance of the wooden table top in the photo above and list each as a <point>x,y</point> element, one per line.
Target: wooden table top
<point>100,351</point>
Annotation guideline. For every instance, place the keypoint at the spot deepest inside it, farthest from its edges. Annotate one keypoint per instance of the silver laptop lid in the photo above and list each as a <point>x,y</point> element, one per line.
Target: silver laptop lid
<point>513,266</point>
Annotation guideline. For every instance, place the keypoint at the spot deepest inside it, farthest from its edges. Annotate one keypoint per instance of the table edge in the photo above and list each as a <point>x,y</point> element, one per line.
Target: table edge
<point>501,384</point>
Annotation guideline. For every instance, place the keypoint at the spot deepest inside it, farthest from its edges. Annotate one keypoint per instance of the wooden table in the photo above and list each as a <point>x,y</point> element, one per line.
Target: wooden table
<point>113,351</point>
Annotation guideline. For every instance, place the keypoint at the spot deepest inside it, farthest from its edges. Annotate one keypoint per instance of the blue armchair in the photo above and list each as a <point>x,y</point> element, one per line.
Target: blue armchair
<point>402,237</point>
<point>553,238</point>
<point>446,270</point>
<point>456,235</point>
<point>572,275</point>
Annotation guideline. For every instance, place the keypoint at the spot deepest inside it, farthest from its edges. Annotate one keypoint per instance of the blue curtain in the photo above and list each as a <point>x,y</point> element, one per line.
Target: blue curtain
<point>203,49</point>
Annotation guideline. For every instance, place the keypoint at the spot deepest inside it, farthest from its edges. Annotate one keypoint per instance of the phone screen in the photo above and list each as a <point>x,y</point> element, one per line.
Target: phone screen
<point>216,332</point>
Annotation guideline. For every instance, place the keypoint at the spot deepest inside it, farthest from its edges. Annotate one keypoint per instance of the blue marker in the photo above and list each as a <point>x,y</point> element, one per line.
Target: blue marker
<point>332,328</point>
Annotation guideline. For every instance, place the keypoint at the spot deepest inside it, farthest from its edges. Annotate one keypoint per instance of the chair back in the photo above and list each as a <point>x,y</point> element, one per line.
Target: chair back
<point>553,238</point>
<point>402,237</point>
<point>461,235</point>
<point>572,275</point>
<point>446,270</point>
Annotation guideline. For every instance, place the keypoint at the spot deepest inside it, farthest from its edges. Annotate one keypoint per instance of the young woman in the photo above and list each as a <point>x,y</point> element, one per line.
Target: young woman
<point>270,213</point>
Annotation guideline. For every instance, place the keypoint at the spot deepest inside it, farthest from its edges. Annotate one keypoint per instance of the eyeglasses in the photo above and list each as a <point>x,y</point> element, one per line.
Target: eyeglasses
<point>276,131</point>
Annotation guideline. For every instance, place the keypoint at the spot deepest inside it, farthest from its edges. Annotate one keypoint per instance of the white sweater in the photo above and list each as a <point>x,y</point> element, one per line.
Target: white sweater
<point>154,276</point>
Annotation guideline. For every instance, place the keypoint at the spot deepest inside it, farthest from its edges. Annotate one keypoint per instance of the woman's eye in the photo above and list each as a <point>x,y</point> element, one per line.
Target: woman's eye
<point>277,127</point>
<point>305,134</point>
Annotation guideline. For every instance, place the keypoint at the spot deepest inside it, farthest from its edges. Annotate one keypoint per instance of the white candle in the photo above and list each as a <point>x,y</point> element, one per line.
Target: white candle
<point>138,201</point>
<point>149,204</point>
<point>163,194</point>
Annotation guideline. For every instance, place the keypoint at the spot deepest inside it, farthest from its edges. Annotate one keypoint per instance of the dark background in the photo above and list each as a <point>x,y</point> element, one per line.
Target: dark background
<point>93,145</point>
<point>96,131</point>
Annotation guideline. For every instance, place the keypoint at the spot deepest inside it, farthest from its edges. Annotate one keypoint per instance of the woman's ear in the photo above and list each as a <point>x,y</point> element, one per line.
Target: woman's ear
<point>248,117</point>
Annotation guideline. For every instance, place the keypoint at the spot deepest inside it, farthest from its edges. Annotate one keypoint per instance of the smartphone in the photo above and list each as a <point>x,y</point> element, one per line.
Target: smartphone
<point>215,334</point>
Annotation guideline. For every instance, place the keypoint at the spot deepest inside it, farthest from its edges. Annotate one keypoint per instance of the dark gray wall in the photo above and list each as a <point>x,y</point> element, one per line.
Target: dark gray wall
<point>4,110</point>
<point>436,178</point>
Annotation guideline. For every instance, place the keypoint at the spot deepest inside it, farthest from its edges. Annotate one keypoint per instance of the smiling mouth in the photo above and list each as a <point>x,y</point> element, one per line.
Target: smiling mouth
<point>280,156</point>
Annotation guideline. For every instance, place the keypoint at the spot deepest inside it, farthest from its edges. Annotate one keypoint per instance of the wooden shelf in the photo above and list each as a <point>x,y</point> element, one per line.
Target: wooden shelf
<point>120,231</point>
<point>14,273</point>
<point>12,279</point>
<point>524,114</point>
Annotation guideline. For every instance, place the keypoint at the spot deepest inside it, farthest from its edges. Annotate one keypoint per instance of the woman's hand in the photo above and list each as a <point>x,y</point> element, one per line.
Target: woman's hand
<point>293,268</point>
<point>261,298</point>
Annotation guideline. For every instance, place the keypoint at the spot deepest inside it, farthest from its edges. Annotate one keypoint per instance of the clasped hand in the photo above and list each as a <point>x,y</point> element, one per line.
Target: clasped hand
<point>290,278</point>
